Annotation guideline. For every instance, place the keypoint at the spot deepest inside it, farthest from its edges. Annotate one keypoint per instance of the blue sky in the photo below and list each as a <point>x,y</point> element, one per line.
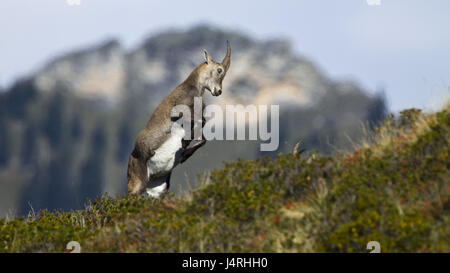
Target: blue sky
<point>401,46</point>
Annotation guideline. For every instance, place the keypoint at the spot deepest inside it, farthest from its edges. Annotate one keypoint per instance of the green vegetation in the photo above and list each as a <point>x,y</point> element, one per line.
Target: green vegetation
<point>394,188</point>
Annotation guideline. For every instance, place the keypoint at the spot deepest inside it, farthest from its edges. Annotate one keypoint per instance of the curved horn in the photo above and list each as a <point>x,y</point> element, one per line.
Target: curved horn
<point>226,60</point>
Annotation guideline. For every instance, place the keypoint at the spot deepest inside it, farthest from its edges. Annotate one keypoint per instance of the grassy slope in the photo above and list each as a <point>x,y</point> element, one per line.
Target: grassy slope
<point>393,189</point>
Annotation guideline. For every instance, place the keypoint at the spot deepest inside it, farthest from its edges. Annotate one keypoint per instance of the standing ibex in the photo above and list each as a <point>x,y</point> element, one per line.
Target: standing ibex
<point>159,147</point>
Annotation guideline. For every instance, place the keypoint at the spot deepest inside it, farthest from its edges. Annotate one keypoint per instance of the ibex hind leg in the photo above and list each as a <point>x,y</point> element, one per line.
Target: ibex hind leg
<point>158,186</point>
<point>137,175</point>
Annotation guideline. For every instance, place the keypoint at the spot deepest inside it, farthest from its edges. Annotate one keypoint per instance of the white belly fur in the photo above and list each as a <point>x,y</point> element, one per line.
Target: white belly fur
<point>163,161</point>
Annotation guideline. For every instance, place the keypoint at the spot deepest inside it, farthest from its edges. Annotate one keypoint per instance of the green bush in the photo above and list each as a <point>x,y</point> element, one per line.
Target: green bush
<point>394,190</point>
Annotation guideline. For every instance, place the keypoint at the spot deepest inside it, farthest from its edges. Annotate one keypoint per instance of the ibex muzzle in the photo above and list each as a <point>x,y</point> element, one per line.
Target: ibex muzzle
<point>159,148</point>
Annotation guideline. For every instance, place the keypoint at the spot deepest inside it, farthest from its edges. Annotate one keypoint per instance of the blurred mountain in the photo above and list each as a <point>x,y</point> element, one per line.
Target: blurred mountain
<point>66,132</point>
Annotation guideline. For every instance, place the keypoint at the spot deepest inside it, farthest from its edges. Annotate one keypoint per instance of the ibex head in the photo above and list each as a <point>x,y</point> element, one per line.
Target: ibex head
<point>212,72</point>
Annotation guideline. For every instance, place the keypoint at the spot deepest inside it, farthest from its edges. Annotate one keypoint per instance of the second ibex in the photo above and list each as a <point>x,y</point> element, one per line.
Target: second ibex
<point>160,146</point>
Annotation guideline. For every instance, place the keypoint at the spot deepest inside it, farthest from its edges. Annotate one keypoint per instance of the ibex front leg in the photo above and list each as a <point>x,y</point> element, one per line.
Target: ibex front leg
<point>191,150</point>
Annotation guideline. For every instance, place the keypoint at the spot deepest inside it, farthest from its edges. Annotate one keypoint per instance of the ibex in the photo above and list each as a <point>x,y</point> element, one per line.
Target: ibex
<point>159,147</point>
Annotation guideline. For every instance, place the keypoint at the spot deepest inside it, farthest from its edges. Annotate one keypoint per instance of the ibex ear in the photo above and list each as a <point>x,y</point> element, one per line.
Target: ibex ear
<point>207,57</point>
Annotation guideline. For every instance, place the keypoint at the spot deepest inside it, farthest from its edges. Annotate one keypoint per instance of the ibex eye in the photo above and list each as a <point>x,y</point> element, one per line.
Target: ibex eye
<point>219,70</point>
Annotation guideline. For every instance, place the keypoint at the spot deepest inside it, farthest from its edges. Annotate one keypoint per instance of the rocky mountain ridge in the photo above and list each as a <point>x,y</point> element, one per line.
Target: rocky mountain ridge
<point>67,130</point>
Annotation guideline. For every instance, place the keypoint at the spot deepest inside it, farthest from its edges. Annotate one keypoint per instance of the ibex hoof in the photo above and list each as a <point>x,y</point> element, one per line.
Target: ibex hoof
<point>200,143</point>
